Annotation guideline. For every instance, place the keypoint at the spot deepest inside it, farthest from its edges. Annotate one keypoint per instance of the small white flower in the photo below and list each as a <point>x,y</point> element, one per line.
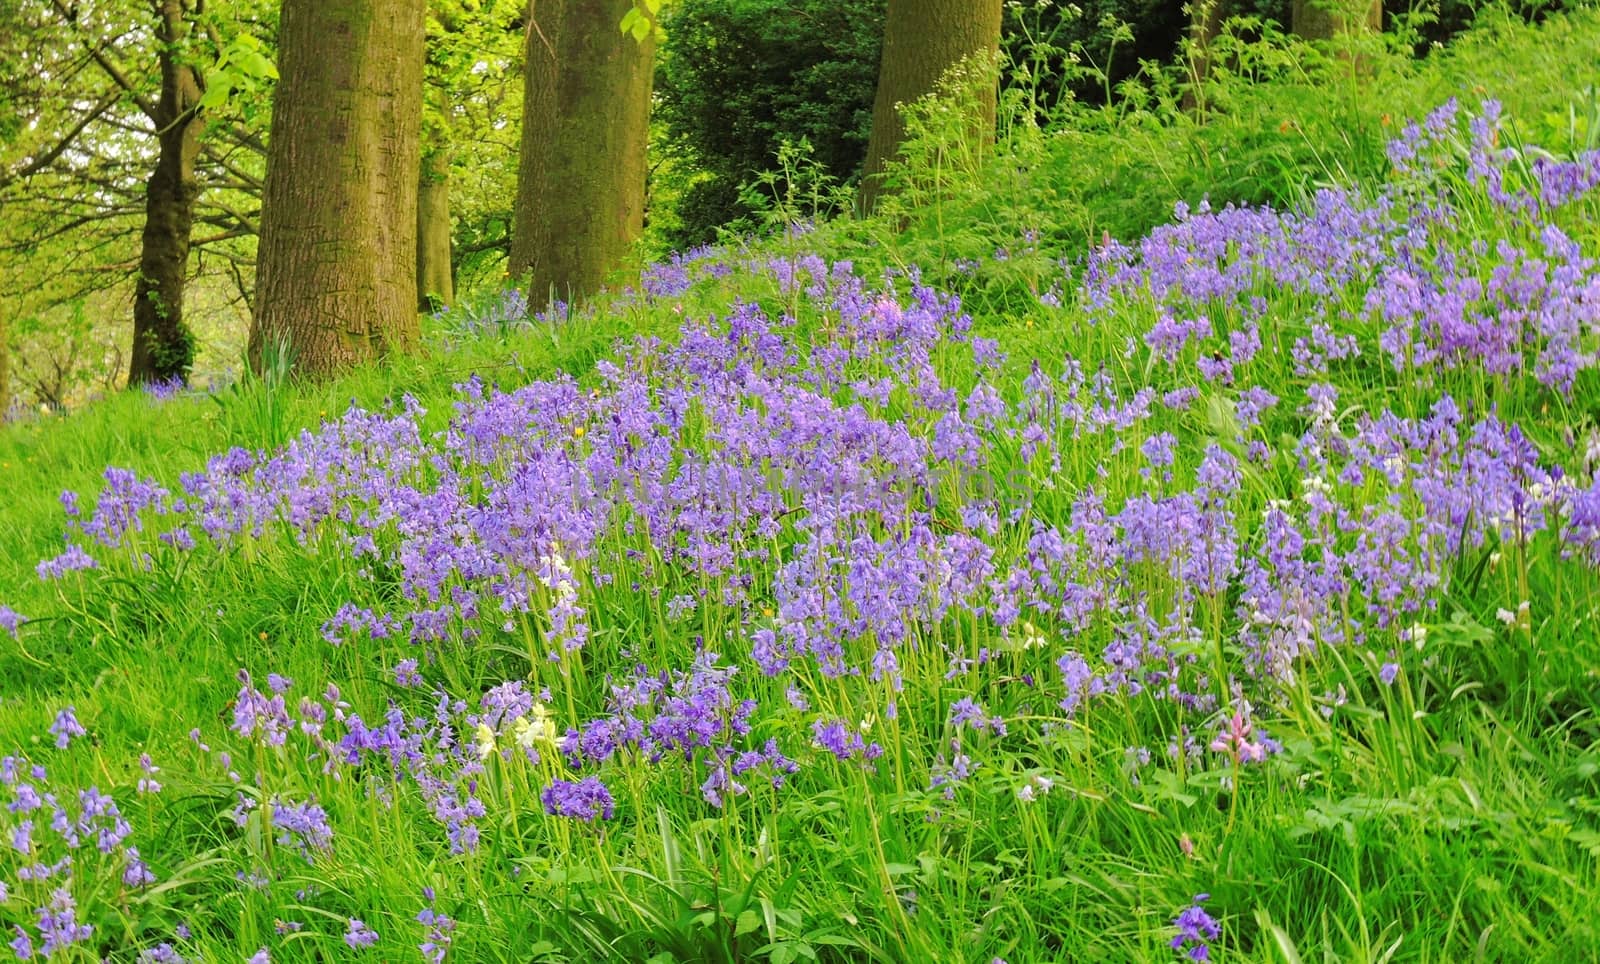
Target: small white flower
<point>1418,634</point>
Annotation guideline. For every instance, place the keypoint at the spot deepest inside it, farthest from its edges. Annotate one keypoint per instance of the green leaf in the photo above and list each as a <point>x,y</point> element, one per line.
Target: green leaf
<point>1220,418</point>
<point>216,93</point>
<point>257,66</point>
<point>1169,787</point>
<point>747,922</point>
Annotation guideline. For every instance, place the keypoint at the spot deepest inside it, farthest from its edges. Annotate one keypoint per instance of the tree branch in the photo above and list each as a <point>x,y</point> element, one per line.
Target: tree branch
<point>48,158</point>
<point>108,65</point>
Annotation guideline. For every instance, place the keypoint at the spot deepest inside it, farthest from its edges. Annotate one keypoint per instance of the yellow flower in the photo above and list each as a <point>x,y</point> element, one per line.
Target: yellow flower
<point>484,738</point>
<point>541,729</point>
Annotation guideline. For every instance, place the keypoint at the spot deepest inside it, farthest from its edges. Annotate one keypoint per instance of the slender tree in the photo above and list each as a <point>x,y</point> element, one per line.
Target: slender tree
<point>163,348</point>
<point>581,176</point>
<point>435,281</point>
<point>922,40</point>
<point>336,268</point>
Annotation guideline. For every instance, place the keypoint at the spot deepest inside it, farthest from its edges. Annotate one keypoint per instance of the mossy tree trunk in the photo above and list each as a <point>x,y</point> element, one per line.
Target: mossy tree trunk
<point>581,174</point>
<point>1331,19</point>
<point>163,348</point>
<point>922,39</point>
<point>435,284</point>
<point>336,268</point>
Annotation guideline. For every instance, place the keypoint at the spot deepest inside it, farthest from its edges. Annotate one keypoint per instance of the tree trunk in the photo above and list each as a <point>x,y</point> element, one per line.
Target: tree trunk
<point>922,39</point>
<point>5,370</point>
<point>581,175</point>
<point>336,268</point>
<point>163,348</point>
<point>435,285</point>
<point>1205,22</point>
<point>1330,19</point>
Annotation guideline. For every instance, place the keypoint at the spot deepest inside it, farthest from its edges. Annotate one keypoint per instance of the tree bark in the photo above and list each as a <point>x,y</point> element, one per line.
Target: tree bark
<point>5,370</point>
<point>922,40</point>
<point>581,174</point>
<point>1329,19</point>
<point>336,275</point>
<point>435,284</point>
<point>163,347</point>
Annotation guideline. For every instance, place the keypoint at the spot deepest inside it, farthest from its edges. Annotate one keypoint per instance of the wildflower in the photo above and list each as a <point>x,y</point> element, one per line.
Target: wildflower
<point>585,800</point>
<point>1518,618</point>
<point>73,560</point>
<point>1196,929</point>
<point>66,728</point>
<point>1237,738</point>
<point>843,741</point>
<point>358,935</point>
<point>438,940</point>
<point>1032,638</point>
<point>405,673</point>
<point>483,740</point>
<point>302,824</point>
<point>147,782</point>
<point>10,620</point>
<point>254,712</point>
<point>137,873</point>
<point>970,713</point>
<point>541,729</point>
<point>58,924</point>
<point>1036,786</point>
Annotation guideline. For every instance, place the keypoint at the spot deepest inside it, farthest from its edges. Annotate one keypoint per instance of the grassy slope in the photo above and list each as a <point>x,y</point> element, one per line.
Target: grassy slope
<point>1428,829</point>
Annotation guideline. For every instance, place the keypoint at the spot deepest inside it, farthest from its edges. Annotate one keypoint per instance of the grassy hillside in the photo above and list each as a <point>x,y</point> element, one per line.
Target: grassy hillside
<point>939,588</point>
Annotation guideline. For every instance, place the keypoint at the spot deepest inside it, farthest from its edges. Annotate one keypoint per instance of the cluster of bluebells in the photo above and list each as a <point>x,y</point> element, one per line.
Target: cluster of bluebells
<point>587,800</point>
<point>691,718</point>
<point>66,728</point>
<point>54,839</point>
<point>359,936</point>
<point>494,524</point>
<point>11,621</point>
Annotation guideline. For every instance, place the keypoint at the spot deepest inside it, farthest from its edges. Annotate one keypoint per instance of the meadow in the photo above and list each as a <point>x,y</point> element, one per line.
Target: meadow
<point>1224,592</point>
